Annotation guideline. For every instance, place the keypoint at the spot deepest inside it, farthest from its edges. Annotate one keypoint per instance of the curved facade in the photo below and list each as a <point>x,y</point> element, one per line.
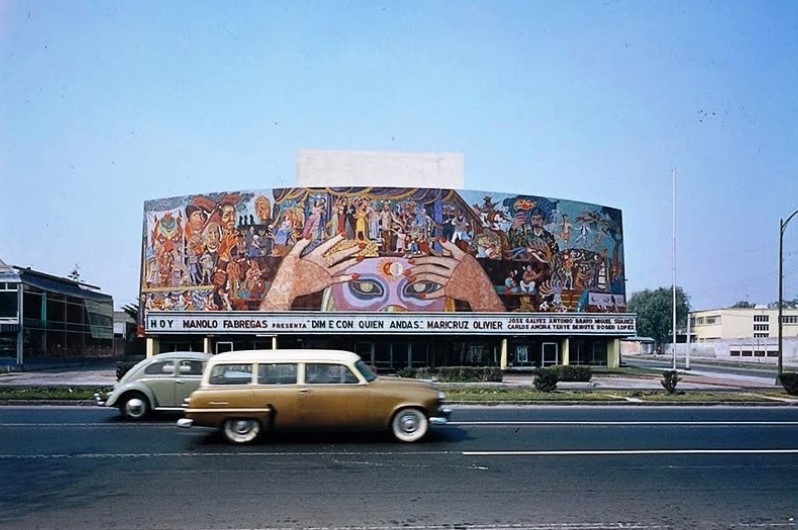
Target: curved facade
<point>389,264</point>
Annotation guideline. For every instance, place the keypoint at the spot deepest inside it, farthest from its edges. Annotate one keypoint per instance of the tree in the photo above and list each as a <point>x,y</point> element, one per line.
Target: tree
<point>786,304</point>
<point>655,312</point>
<point>743,304</point>
<point>134,342</point>
<point>132,310</point>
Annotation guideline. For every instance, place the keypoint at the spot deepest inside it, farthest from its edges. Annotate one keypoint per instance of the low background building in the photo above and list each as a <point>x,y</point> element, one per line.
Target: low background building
<point>48,320</point>
<point>743,334</point>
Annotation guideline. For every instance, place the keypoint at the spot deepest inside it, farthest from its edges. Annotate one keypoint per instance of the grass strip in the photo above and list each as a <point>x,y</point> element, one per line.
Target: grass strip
<point>57,393</point>
<point>498,394</point>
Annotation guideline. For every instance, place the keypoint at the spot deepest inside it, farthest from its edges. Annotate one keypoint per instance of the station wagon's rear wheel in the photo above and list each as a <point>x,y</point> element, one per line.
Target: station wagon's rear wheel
<point>241,431</point>
<point>409,425</point>
<point>134,406</point>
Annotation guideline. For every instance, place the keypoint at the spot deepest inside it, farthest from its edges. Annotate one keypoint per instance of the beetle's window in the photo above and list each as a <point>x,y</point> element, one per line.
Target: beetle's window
<point>231,374</point>
<point>323,373</point>
<point>277,374</point>
<point>161,368</point>
<point>191,367</point>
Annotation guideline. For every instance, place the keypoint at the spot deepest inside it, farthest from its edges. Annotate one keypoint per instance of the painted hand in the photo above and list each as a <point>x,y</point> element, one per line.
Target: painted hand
<point>460,276</point>
<point>300,275</point>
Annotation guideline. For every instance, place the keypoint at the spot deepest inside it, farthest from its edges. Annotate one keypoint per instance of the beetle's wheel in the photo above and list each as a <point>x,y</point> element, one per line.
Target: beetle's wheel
<point>134,406</point>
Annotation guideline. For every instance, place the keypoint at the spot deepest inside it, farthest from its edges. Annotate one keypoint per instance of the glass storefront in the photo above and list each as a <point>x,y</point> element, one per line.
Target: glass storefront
<point>58,320</point>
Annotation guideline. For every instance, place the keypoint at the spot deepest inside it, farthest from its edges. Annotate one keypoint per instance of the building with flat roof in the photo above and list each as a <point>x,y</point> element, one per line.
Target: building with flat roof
<point>50,320</point>
<point>744,333</point>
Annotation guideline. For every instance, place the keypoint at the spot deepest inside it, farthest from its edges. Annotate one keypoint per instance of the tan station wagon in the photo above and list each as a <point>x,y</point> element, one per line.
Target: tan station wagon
<point>247,392</point>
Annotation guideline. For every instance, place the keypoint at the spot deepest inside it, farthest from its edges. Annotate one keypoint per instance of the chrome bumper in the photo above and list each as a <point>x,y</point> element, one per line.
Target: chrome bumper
<point>185,423</point>
<point>99,401</point>
<point>442,417</point>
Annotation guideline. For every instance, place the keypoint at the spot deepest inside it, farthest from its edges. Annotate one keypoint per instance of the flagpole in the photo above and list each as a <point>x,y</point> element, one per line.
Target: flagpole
<point>673,255</point>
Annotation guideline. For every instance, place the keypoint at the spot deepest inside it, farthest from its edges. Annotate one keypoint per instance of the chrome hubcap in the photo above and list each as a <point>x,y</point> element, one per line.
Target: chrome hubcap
<point>409,423</point>
<point>243,427</point>
<point>135,407</point>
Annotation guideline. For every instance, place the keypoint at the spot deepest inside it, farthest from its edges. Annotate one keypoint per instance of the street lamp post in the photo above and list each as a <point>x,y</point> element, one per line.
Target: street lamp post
<point>782,226</point>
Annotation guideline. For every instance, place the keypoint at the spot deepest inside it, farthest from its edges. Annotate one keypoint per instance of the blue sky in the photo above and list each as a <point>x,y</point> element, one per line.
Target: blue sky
<point>104,105</point>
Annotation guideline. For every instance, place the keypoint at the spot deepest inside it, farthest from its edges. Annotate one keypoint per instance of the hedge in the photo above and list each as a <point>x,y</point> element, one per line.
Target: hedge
<point>455,374</point>
<point>580,374</point>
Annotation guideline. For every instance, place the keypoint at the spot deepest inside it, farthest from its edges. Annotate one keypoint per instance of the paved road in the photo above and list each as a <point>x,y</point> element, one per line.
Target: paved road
<point>552,468</point>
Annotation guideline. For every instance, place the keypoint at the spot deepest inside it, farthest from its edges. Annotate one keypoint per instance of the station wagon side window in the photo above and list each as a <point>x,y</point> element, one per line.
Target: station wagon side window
<point>231,374</point>
<point>160,368</point>
<point>329,374</point>
<point>277,374</point>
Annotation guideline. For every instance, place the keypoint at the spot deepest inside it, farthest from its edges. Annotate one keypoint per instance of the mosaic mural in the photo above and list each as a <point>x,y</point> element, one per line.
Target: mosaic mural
<point>381,249</point>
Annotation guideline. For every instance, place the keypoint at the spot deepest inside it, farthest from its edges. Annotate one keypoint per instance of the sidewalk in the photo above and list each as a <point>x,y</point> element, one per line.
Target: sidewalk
<point>77,376</point>
<point>691,380</point>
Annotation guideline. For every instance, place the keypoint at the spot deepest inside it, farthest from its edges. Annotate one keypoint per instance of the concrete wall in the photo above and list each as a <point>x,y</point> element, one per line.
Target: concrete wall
<point>721,349</point>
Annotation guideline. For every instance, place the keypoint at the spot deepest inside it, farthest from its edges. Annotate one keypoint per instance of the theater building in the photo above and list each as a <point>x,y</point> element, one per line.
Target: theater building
<point>404,276</point>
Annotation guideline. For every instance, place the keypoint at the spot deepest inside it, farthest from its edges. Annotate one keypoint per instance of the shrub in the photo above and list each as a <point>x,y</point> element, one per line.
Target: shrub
<point>581,374</point>
<point>670,379</point>
<point>546,379</point>
<point>410,373</point>
<point>789,380</point>
<point>122,367</point>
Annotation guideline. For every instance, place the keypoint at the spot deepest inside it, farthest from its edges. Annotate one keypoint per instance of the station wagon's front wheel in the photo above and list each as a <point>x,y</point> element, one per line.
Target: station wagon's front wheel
<point>409,425</point>
<point>241,431</point>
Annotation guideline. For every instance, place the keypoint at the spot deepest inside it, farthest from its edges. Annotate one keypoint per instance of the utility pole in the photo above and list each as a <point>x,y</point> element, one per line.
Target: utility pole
<point>782,226</point>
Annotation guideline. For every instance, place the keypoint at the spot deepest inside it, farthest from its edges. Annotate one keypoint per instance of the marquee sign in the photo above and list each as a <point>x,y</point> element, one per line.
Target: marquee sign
<point>319,323</point>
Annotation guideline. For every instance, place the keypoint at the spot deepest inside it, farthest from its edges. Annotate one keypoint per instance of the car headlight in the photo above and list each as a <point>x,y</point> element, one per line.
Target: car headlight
<point>441,395</point>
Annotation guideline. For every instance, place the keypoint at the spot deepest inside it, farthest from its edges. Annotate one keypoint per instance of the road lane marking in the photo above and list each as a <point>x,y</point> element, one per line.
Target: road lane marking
<point>614,423</point>
<point>63,456</point>
<point>620,525</point>
<point>488,423</point>
<point>627,452</point>
<point>586,452</point>
<point>114,425</point>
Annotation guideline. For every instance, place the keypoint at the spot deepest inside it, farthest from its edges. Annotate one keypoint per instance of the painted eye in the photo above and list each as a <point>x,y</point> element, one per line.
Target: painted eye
<point>414,290</point>
<point>366,289</point>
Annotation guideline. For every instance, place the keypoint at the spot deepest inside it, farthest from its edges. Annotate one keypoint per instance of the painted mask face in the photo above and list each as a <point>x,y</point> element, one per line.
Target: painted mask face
<point>383,287</point>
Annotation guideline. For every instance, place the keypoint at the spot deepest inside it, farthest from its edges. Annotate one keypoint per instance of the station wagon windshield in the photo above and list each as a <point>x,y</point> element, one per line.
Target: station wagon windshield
<point>365,371</point>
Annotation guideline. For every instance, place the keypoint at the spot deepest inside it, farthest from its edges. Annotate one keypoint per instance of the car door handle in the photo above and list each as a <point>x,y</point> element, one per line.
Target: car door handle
<point>304,390</point>
<point>180,382</point>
